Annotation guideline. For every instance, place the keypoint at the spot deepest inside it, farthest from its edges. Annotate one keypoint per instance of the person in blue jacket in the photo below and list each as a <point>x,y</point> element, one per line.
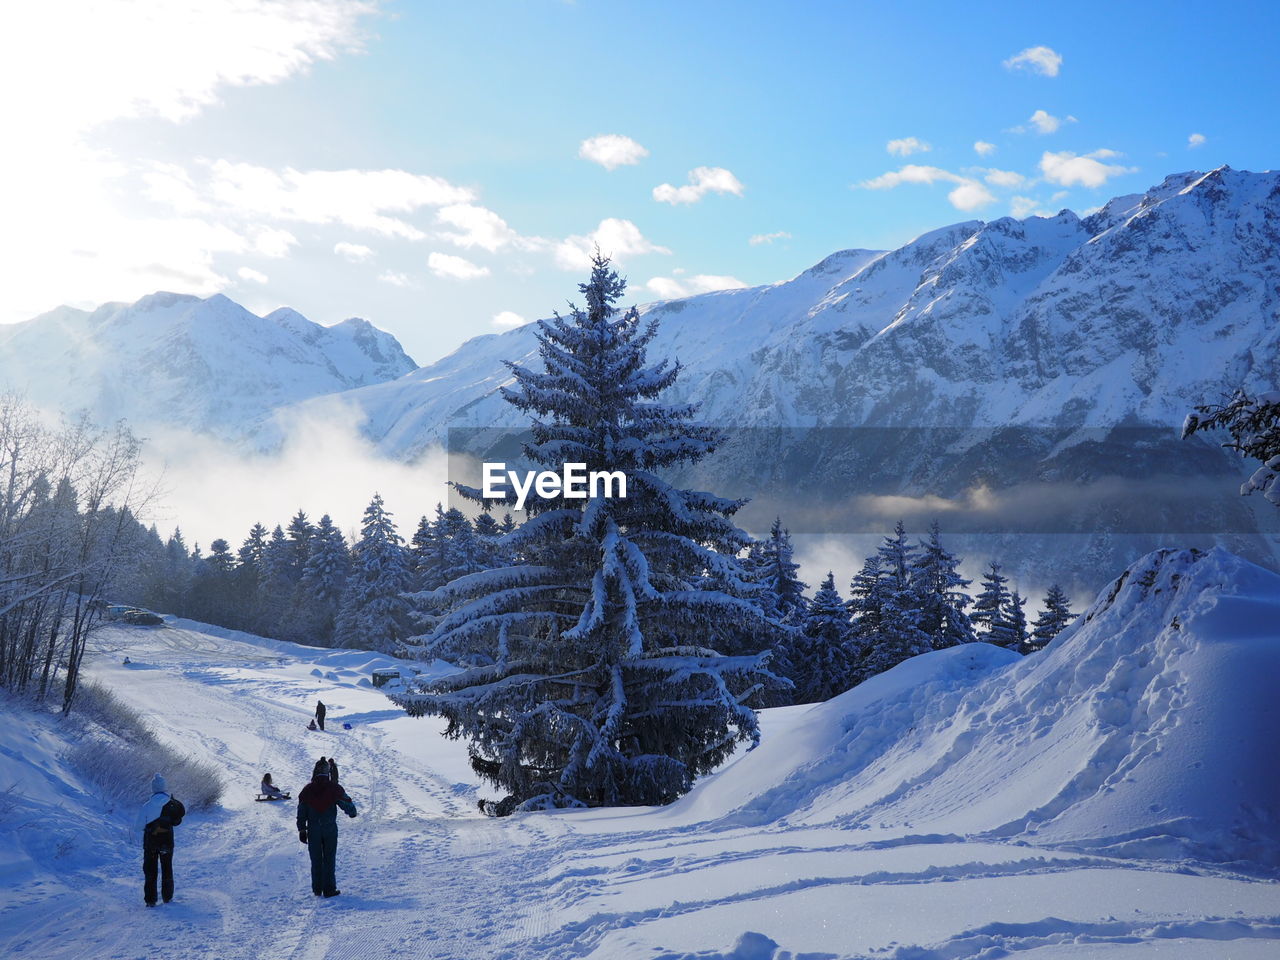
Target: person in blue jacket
<point>318,805</point>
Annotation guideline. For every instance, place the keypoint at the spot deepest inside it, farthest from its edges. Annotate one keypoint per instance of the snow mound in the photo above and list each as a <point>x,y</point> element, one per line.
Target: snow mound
<point>749,946</point>
<point>1144,730</point>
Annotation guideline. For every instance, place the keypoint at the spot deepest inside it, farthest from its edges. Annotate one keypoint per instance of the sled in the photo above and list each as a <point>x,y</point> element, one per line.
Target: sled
<point>262,798</point>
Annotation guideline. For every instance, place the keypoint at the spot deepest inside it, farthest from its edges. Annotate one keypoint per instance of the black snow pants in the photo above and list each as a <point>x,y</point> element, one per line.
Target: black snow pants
<point>322,845</point>
<point>157,856</point>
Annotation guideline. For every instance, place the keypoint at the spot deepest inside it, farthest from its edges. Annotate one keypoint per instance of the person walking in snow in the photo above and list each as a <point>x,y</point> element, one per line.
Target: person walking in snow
<point>320,711</point>
<point>156,821</point>
<point>318,805</point>
<point>333,770</point>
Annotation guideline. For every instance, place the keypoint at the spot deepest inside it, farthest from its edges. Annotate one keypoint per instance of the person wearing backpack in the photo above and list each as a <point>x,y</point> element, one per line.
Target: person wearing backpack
<point>318,805</point>
<point>156,820</point>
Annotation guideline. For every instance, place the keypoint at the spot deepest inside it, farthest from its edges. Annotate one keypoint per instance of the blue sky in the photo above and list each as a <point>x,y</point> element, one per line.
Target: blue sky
<point>422,165</point>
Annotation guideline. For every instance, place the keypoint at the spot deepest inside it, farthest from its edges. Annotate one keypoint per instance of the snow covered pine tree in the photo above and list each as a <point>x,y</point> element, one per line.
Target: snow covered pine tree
<point>1052,619</point>
<point>778,571</point>
<point>1254,425</point>
<point>373,612</point>
<point>769,564</point>
<point>594,676</point>
<point>900,608</point>
<point>821,658</point>
<point>935,573</point>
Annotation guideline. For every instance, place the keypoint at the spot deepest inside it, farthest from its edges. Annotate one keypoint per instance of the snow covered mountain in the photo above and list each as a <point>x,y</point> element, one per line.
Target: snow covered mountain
<point>971,371</point>
<point>173,360</point>
<point>1129,315</point>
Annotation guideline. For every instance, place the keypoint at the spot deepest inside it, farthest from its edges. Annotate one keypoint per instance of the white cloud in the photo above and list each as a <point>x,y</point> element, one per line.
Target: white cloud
<point>982,148</point>
<point>907,146</point>
<point>968,194</point>
<point>248,273</point>
<point>172,186</point>
<point>455,268</point>
<point>702,180</point>
<point>216,489</point>
<point>1196,140</point>
<point>480,227</point>
<point>612,150</point>
<point>1004,178</point>
<point>69,73</point>
<point>617,239</point>
<point>1045,122</point>
<point>1022,207</point>
<point>395,279</point>
<point>355,252</point>
<point>1042,60</point>
<point>360,199</point>
<point>911,173</point>
<point>668,288</point>
<point>167,60</point>
<point>508,320</point>
<point>760,238</point>
<point>273,242</point>
<point>1069,170</point>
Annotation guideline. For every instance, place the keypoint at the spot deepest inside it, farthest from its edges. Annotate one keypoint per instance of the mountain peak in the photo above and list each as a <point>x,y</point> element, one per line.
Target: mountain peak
<point>162,299</point>
<point>206,364</point>
<point>355,323</point>
<point>1127,313</point>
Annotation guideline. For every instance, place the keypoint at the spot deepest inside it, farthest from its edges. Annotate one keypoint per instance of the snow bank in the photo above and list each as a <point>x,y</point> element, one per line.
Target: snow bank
<point>1145,730</point>
<point>55,828</point>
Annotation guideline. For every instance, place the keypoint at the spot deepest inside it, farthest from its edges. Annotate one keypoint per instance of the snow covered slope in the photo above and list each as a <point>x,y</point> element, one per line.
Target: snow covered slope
<point>1130,315</point>
<point>1114,797</point>
<point>1083,802</point>
<point>174,360</point>
<point>1144,730</point>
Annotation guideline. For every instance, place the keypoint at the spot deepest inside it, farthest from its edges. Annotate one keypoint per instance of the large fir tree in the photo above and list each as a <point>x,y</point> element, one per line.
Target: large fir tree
<point>596,672</point>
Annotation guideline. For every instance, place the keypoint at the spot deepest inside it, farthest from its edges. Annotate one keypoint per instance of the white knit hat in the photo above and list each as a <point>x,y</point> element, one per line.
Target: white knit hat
<point>158,785</point>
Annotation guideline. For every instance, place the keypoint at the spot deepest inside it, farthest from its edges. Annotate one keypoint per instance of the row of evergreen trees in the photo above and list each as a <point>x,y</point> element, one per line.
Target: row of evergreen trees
<point>304,582</point>
<point>907,599</point>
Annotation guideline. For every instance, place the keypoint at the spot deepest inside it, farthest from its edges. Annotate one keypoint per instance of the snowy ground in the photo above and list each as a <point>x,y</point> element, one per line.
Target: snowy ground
<point>962,806</point>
